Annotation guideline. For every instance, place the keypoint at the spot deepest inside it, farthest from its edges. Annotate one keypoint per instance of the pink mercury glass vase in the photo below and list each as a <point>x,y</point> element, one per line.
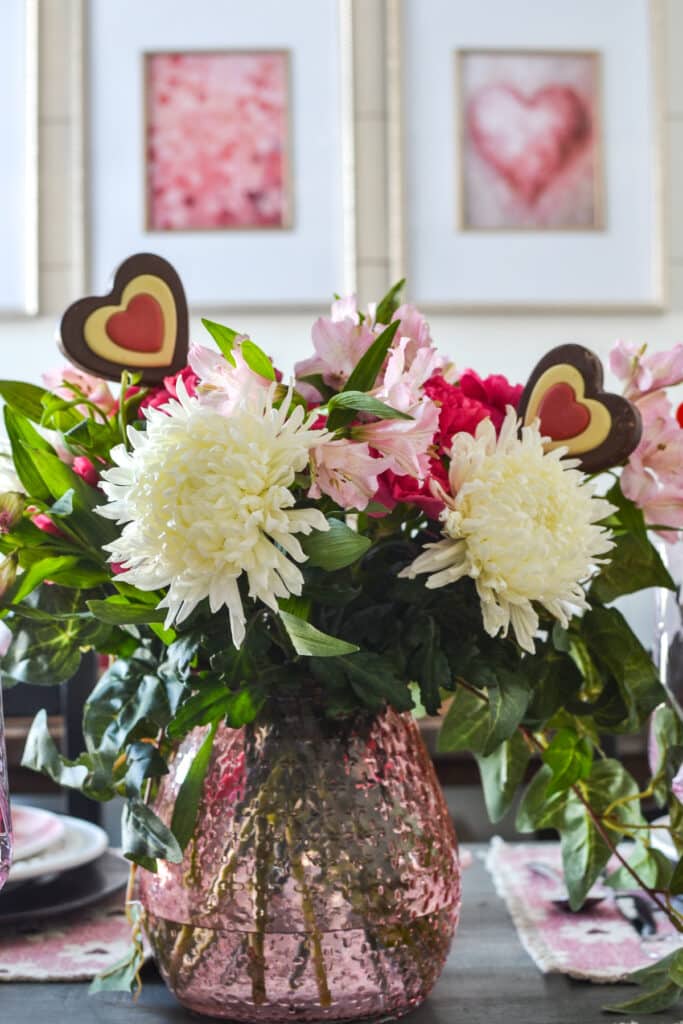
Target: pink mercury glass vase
<point>322,881</point>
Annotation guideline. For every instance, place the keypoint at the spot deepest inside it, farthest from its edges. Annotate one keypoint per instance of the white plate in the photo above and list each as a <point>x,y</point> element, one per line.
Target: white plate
<point>34,830</point>
<point>81,842</point>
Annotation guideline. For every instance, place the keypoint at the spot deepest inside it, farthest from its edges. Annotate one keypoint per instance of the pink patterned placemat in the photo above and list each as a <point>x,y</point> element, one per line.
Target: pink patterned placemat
<point>75,947</point>
<point>594,945</point>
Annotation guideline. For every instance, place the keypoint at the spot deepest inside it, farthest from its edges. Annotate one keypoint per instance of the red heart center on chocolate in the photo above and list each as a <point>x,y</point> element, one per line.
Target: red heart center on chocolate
<point>139,327</point>
<point>561,416</point>
<point>528,140</point>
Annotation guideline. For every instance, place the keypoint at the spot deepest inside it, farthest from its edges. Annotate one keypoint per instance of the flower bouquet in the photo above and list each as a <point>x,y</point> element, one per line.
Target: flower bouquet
<point>285,575</point>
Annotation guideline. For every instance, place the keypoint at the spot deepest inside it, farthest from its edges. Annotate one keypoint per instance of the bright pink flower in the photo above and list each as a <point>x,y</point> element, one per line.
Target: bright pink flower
<point>346,472</point>
<point>338,344</point>
<point>465,404</point>
<point>83,467</point>
<point>645,373</point>
<point>94,389</point>
<point>404,443</point>
<point>45,524</point>
<point>394,489</point>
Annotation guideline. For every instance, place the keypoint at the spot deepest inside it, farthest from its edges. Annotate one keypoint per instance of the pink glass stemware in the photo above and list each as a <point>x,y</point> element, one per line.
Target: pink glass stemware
<point>5,819</point>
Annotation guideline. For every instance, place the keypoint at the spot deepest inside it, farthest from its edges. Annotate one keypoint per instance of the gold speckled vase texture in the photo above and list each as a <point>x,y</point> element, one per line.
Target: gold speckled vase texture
<point>322,881</point>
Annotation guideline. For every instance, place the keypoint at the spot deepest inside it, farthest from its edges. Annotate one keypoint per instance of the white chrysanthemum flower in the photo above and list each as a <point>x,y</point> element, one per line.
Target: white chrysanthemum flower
<point>522,522</point>
<point>206,497</point>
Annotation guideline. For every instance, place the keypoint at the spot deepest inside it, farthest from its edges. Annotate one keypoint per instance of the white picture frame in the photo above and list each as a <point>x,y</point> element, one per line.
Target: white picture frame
<point>297,267</point>
<point>615,264</point>
<point>19,167</point>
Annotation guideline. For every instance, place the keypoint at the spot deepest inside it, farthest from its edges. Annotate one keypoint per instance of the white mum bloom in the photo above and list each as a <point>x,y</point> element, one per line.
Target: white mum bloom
<point>522,522</point>
<point>206,497</point>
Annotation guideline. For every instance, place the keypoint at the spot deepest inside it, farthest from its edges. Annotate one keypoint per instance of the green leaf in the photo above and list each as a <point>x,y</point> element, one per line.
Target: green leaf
<point>536,811</point>
<point>651,1001</point>
<point>676,883</point>
<point>569,757</point>
<point>190,792</point>
<point>210,704</point>
<point>427,662</point>
<point>375,682</point>
<point>42,755</point>
<point>45,569</point>
<point>311,642</point>
<point>341,409</point>
<point>143,761</point>
<point>501,774</point>
<point>634,565</point>
<point>388,305</point>
<point>616,650</point>
<point>364,374</point>
<point>118,611</point>
<point>60,478</point>
<point>224,338</point>
<point>334,548</point>
<point>256,359</point>
<point>24,398</point>
<point>466,725</point>
<point>20,434</point>
<point>507,704</point>
<point>144,836</point>
<point>123,976</point>
<point>653,867</point>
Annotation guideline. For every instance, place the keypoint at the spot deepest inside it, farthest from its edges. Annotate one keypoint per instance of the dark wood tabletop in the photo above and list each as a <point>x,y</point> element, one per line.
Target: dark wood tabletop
<point>489,979</point>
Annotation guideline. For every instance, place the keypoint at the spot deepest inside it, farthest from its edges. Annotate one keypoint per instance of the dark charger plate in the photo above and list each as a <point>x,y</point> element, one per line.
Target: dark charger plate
<point>72,890</point>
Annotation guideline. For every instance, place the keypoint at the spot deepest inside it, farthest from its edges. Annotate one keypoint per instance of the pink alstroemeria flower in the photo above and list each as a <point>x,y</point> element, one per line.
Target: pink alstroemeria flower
<point>95,389</point>
<point>403,384</point>
<point>404,443</point>
<point>339,342</point>
<point>221,385</point>
<point>645,373</point>
<point>346,472</point>
<point>653,476</point>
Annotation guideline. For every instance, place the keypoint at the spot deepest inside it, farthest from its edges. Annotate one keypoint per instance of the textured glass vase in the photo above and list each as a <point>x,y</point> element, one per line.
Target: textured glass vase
<point>322,881</point>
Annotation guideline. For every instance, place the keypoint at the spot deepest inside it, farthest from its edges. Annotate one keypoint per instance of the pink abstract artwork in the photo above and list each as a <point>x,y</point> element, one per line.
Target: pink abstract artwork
<point>530,137</point>
<point>217,140</point>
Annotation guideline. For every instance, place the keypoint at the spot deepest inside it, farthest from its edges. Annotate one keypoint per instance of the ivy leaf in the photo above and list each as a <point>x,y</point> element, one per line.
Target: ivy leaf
<point>213,702</point>
<point>536,811</point>
<point>334,548</point>
<point>388,305</point>
<point>569,757</point>
<point>507,704</point>
<point>42,755</point>
<point>466,725</point>
<point>651,1001</point>
<point>427,662</point>
<point>341,409</point>
<point>311,642</point>
<point>653,867</point>
<point>143,761</point>
<point>144,836</point>
<point>616,650</point>
<point>256,359</point>
<point>375,682</point>
<point>501,774</point>
<point>190,792</point>
<point>224,338</point>
<point>634,565</point>
<point>123,976</point>
<point>364,374</point>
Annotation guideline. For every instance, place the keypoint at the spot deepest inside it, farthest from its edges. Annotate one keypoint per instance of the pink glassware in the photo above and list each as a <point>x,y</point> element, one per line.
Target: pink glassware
<point>5,819</point>
<point>322,881</point>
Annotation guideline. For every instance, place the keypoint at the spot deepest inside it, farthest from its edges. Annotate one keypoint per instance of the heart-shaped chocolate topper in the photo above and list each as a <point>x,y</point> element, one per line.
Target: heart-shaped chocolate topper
<point>140,325</point>
<point>565,395</point>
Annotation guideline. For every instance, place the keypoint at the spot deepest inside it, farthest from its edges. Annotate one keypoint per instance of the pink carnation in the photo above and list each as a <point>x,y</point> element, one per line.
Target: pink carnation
<point>394,489</point>
<point>168,390</point>
<point>464,405</point>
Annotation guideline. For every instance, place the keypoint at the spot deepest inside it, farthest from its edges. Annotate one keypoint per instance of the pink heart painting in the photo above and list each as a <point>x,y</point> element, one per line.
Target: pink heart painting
<point>530,135</point>
<point>529,140</point>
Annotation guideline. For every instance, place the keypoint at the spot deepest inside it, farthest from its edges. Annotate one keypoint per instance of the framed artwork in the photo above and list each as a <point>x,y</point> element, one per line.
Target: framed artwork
<point>217,140</point>
<point>530,134</point>
<point>507,154</point>
<point>19,167</point>
<point>226,147</point>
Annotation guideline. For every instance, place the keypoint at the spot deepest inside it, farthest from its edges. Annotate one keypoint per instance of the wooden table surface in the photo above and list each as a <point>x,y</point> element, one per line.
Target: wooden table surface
<point>489,979</point>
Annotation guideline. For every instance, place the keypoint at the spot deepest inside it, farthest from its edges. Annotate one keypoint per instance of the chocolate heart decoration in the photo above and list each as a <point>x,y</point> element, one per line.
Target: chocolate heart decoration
<point>565,395</point>
<point>140,325</point>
